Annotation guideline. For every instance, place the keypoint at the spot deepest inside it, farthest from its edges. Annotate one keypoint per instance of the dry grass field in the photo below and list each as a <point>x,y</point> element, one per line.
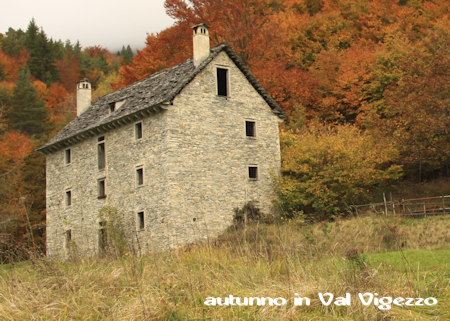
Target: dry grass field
<point>394,257</point>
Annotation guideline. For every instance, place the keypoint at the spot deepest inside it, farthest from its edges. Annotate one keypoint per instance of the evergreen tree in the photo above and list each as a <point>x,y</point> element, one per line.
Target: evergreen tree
<point>28,113</point>
<point>13,42</point>
<point>127,54</point>
<point>42,54</point>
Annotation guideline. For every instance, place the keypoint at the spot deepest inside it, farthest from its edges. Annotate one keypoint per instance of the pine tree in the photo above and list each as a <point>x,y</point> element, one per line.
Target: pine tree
<point>42,54</point>
<point>127,54</point>
<point>28,113</point>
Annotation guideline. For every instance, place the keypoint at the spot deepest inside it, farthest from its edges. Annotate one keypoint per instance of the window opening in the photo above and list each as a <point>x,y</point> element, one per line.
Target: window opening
<point>68,156</point>
<point>112,107</point>
<point>68,238</point>
<point>68,198</point>
<point>102,239</point>
<point>138,130</point>
<point>141,222</point>
<point>140,176</point>
<point>250,129</point>
<point>101,188</point>
<point>101,156</point>
<point>222,82</point>
<point>253,172</point>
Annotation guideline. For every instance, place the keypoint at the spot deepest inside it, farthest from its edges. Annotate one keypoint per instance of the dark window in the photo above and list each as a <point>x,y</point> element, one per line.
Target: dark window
<point>141,223</point>
<point>101,138</point>
<point>101,156</point>
<point>68,238</point>
<point>253,172</point>
<point>68,156</point>
<point>102,239</point>
<point>68,198</point>
<point>222,82</point>
<point>101,188</point>
<point>138,130</point>
<point>112,107</point>
<point>250,128</point>
<point>140,176</point>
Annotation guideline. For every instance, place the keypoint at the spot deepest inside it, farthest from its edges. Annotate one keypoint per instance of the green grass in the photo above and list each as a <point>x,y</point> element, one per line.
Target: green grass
<point>406,260</point>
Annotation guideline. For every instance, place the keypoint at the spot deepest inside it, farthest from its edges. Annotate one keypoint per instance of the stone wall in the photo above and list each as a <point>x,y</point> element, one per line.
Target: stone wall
<point>195,159</point>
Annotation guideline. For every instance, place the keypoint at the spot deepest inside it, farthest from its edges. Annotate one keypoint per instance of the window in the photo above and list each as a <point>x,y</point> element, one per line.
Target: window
<point>140,221</point>
<point>101,188</point>
<point>250,128</point>
<point>68,198</point>
<point>67,156</point>
<point>68,238</point>
<point>253,172</point>
<point>102,239</point>
<point>101,153</point>
<point>138,130</point>
<point>112,107</point>
<point>139,176</point>
<point>222,82</point>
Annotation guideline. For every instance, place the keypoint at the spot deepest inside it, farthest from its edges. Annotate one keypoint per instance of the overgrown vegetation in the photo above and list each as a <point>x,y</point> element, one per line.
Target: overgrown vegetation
<point>261,260</point>
<point>326,168</point>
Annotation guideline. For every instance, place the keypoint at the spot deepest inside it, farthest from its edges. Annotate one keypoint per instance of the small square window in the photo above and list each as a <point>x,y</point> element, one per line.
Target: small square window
<point>139,176</point>
<point>68,156</point>
<point>141,222</point>
<point>102,188</point>
<point>101,138</point>
<point>253,172</point>
<point>222,82</point>
<point>112,107</point>
<point>138,130</point>
<point>250,128</point>
<point>68,198</point>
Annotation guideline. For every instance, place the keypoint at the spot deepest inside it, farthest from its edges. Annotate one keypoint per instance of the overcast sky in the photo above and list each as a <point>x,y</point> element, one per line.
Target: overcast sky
<point>108,23</point>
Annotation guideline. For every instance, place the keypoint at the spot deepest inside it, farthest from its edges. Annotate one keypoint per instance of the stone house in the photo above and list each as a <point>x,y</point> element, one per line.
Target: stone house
<point>175,153</point>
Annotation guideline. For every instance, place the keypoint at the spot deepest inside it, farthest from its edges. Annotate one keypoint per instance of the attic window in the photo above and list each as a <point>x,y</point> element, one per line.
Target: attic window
<point>253,173</point>
<point>112,107</point>
<point>222,82</point>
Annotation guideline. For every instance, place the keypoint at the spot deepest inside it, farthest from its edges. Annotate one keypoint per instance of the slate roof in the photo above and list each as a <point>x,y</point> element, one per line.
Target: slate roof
<point>143,97</point>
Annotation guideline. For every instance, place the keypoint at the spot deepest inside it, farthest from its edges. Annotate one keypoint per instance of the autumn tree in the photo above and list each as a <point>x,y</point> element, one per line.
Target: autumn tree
<point>324,168</point>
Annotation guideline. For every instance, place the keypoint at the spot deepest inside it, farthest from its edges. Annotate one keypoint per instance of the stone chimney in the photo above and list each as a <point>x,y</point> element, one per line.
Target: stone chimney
<point>201,43</point>
<point>84,96</point>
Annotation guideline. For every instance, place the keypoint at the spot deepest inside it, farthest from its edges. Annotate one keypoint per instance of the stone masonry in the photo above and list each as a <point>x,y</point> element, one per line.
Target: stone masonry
<point>194,156</point>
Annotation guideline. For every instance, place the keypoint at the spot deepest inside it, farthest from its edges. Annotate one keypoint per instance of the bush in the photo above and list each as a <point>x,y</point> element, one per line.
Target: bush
<point>326,168</point>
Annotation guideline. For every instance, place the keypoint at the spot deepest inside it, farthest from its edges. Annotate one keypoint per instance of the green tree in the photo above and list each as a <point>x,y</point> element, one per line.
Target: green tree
<point>127,55</point>
<point>42,54</point>
<point>28,113</point>
<point>13,42</point>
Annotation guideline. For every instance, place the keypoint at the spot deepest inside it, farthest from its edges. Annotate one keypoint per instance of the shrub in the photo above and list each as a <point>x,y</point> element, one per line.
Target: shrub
<point>326,168</point>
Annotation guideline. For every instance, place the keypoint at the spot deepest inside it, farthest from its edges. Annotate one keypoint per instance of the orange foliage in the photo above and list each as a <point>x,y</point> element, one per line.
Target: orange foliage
<point>69,71</point>
<point>14,148</point>
<point>11,65</point>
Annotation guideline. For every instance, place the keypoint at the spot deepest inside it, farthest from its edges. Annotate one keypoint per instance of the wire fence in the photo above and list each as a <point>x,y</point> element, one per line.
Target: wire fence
<point>437,205</point>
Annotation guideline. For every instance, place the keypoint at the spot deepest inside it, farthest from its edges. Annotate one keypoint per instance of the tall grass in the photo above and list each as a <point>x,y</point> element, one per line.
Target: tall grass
<point>259,261</point>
